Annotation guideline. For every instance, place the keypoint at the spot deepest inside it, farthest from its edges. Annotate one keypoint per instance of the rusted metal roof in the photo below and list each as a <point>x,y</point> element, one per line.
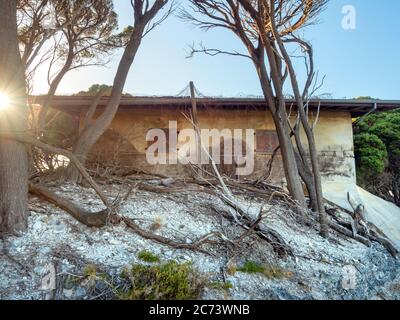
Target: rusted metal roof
<point>81,103</point>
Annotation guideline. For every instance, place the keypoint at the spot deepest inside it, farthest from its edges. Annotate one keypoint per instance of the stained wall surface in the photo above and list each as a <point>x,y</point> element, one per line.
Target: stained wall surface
<point>125,143</point>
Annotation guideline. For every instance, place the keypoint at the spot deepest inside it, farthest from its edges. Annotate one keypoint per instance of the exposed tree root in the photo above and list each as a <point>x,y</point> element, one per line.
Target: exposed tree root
<point>90,219</point>
<point>384,242</point>
<point>373,234</point>
<point>102,218</point>
<point>195,246</point>
<point>348,233</point>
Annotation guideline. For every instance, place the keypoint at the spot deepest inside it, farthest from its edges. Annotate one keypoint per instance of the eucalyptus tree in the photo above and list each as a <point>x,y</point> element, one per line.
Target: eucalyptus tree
<point>267,28</point>
<point>13,118</point>
<point>145,13</point>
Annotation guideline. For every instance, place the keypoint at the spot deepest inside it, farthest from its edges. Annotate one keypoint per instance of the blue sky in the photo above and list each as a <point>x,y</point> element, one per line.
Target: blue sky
<point>359,62</point>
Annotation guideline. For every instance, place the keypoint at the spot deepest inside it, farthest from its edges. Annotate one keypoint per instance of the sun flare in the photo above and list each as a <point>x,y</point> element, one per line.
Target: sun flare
<point>4,101</point>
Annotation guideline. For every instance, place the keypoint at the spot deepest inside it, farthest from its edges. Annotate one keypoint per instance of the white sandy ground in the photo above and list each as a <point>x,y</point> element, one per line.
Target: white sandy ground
<point>319,265</point>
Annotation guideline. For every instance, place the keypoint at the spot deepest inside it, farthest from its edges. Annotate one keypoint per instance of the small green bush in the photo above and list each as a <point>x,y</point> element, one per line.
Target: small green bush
<point>148,256</point>
<point>168,281</point>
<point>90,270</point>
<point>271,272</point>
<point>251,267</point>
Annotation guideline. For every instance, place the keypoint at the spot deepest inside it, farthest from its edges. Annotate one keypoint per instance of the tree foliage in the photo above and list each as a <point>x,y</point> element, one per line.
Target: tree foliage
<point>371,153</point>
<point>377,152</point>
<point>95,88</point>
<point>271,30</point>
<point>66,33</point>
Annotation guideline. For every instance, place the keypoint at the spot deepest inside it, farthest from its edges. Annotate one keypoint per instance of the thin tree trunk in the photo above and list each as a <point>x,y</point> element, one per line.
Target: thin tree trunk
<point>304,169</point>
<point>309,133</point>
<point>92,110</point>
<point>289,162</point>
<point>307,177</point>
<point>53,89</point>
<point>197,128</point>
<point>13,154</point>
<point>277,108</point>
<point>144,13</point>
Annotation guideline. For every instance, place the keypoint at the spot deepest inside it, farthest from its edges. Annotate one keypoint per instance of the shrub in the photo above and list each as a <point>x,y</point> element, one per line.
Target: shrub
<point>371,153</point>
<point>148,256</point>
<point>268,271</point>
<point>377,152</point>
<point>251,267</point>
<point>168,281</point>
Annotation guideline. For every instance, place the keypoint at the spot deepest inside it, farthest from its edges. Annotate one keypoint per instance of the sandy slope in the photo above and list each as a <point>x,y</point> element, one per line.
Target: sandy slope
<point>56,240</point>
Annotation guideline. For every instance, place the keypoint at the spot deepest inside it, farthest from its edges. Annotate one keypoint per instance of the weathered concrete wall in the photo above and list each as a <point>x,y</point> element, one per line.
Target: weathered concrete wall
<point>334,137</point>
<point>333,134</point>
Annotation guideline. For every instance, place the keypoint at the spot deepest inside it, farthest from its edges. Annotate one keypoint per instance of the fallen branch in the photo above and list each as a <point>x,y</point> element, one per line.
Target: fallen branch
<point>364,236</point>
<point>164,189</point>
<point>349,233</point>
<point>240,215</point>
<point>280,246</point>
<point>384,242</point>
<point>194,246</point>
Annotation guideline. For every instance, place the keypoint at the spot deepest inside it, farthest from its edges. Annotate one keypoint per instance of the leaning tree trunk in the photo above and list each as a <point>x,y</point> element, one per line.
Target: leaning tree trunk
<point>316,173</point>
<point>13,155</point>
<point>93,132</point>
<point>144,13</point>
<point>53,89</point>
<point>304,169</point>
<point>308,179</point>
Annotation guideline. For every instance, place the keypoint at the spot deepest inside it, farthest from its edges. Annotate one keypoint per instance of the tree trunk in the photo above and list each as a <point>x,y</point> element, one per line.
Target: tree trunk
<point>324,225</point>
<point>53,89</point>
<point>13,155</point>
<point>289,161</point>
<point>94,131</point>
<point>308,179</point>
<point>316,173</point>
<point>304,169</point>
<point>277,108</point>
<point>396,189</point>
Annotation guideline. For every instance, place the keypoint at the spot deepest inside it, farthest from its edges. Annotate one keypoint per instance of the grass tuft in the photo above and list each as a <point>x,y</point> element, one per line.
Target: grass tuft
<point>271,272</point>
<point>221,285</point>
<point>148,256</point>
<point>251,267</point>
